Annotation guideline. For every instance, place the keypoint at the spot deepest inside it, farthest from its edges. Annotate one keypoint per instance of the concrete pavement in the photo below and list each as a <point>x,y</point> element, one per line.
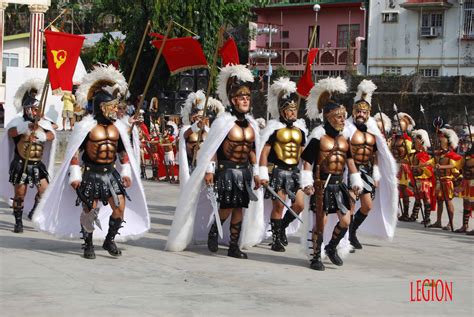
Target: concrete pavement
<point>43,276</point>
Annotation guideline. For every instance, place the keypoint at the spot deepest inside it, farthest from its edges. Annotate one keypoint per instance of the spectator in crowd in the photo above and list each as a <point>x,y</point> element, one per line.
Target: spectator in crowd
<point>68,100</point>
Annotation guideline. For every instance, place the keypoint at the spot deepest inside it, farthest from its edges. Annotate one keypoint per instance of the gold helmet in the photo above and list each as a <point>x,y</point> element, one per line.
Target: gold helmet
<point>281,96</point>
<point>233,81</point>
<point>323,100</point>
<point>363,98</point>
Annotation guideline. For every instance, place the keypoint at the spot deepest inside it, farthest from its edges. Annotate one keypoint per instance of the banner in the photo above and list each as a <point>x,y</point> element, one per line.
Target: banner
<point>306,81</point>
<point>181,53</point>
<point>229,53</point>
<point>62,52</point>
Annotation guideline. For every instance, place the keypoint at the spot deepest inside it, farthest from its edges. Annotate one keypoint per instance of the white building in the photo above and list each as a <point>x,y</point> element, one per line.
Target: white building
<point>434,36</point>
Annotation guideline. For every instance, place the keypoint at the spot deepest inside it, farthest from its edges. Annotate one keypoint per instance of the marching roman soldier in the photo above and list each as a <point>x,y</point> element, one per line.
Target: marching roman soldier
<point>446,168</point>
<point>284,140</point>
<point>325,158</point>
<point>101,167</point>
<point>369,151</point>
<point>423,175</point>
<point>467,166</point>
<point>401,150</point>
<point>29,149</point>
<point>227,160</point>
<point>193,121</point>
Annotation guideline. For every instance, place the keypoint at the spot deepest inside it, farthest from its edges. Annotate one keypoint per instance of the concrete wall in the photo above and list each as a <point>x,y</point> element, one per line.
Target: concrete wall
<point>439,96</point>
<point>396,44</point>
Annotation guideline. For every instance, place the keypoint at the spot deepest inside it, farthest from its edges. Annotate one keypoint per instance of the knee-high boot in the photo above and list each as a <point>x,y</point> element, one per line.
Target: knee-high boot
<point>109,243</point>
<point>234,250</point>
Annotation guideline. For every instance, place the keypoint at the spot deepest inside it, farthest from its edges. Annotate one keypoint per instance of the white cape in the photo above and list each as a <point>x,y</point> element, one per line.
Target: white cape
<point>7,147</point>
<point>183,158</point>
<point>265,134</point>
<point>382,219</point>
<point>135,138</point>
<point>308,217</point>
<point>57,212</point>
<point>193,212</point>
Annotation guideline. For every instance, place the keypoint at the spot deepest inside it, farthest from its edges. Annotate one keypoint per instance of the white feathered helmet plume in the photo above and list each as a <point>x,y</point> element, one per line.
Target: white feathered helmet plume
<point>387,123</point>
<point>467,132</point>
<point>281,96</point>
<point>453,138</point>
<point>26,94</point>
<point>214,108</point>
<point>104,85</point>
<point>363,97</point>
<point>323,100</point>
<point>233,81</point>
<point>423,136</point>
<point>193,104</point>
<point>406,121</point>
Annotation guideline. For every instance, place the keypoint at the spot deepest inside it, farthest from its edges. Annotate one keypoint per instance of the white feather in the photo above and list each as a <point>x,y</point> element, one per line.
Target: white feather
<point>215,105</point>
<point>23,89</point>
<point>466,130</point>
<point>282,84</point>
<point>387,123</point>
<point>239,71</point>
<point>333,85</point>
<point>365,87</point>
<point>452,137</point>
<point>188,104</point>
<point>401,115</point>
<point>423,135</point>
<point>101,72</point>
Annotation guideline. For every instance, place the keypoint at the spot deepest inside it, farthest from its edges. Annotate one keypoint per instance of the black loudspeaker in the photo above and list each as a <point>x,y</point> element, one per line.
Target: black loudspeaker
<point>166,102</point>
<point>179,100</point>
<point>187,81</point>
<point>202,79</point>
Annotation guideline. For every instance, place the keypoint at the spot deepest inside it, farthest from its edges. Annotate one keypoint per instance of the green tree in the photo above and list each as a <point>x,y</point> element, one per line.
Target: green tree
<point>203,17</point>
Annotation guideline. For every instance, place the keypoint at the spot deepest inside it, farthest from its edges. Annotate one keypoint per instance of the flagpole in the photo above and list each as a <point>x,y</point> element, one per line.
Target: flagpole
<point>311,41</point>
<point>157,58</point>
<point>148,25</point>
<point>209,87</point>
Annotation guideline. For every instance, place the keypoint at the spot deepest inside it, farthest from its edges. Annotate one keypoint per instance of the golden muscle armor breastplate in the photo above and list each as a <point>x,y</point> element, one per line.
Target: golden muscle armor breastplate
<point>36,149</point>
<point>362,147</point>
<point>239,143</point>
<point>444,161</point>
<point>101,146</point>
<point>337,149</point>
<point>468,170</point>
<point>192,141</point>
<point>288,145</point>
<point>398,149</point>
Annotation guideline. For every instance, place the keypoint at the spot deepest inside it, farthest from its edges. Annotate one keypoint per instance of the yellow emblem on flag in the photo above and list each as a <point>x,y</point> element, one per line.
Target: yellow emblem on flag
<point>59,57</point>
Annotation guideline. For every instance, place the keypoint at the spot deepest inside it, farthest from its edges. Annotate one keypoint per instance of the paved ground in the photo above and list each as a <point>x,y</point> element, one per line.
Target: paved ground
<point>42,276</point>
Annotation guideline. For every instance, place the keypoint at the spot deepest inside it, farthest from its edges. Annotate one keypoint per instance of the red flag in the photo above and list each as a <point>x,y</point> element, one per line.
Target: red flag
<point>62,51</point>
<point>306,81</point>
<point>181,53</point>
<point>229,53</point>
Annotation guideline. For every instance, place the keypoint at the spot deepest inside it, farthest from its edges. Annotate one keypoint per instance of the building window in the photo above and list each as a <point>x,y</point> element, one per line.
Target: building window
<point>9,59</point>
<point>392,70</point>
<point>429,72</point>
<point>431,24</point>
<point>285,34</point>
<point>468,19</point>
<point>389,17</point>
<point>343,34</point>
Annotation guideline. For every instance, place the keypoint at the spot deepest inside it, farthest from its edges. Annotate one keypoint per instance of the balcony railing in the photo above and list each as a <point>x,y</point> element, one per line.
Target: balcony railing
<point>294,59</point>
